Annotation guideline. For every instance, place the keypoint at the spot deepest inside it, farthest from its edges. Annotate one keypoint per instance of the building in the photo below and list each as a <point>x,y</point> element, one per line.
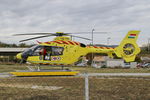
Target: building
<point>8,54</point>
<point>145,59</point>
<point>101,61</point>
<point>114,63</point>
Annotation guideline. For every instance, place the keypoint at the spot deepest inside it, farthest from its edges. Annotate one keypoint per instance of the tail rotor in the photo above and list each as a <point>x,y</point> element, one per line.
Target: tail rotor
<point>128,49</point>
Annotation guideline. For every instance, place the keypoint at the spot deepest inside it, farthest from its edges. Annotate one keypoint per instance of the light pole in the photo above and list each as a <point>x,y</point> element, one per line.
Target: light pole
<point>108,40</point>
<point>92,35</point>
<point>148,45</point>
<point>92,45</point>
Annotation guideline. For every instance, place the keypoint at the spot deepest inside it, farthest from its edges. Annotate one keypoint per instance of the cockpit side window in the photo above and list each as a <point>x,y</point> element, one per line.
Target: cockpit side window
<point>57,51</point>
<point>37,51</point>
<point>48,50</point>
<point>29,51</point>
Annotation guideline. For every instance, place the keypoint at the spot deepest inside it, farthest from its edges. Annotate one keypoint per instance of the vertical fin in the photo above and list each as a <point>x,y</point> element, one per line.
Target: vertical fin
<point>128,49</point>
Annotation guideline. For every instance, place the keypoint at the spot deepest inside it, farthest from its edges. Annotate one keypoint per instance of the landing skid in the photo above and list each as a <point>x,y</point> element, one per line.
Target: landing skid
<point>36,71</point>
<point>33,68</point>
<point>37,68</point>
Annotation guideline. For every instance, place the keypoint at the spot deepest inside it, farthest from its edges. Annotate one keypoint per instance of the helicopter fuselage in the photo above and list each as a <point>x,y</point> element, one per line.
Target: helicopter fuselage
<point>64,51</point>
<point>60,52</point>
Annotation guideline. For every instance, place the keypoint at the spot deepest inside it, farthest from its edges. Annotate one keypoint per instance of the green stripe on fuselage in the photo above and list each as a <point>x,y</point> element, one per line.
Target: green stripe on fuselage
<point>131,37</point>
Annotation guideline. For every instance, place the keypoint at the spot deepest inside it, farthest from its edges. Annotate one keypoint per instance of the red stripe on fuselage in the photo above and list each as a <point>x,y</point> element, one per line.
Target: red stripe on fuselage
<point>64,42</point>
<point>71,42</point>
<point>76,43</point>
<point>47,42</point>
<point>57,42</point>
<point>95,47</point>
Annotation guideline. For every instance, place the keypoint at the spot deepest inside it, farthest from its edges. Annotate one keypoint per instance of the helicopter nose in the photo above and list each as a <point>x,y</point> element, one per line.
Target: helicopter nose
<point>19,56</point>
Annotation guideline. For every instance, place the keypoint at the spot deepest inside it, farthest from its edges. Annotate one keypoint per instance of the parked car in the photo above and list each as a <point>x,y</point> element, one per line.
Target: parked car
<point>146,65</point>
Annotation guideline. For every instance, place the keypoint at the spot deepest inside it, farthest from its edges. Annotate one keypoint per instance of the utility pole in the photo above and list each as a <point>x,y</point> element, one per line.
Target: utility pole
<point>148,46</point>
<point>92,35</point>
<point>108,41</point>
<point>92,45</point>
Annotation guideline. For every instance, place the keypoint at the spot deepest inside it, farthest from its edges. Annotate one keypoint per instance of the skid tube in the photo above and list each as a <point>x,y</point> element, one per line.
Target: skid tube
<point>36,71</point>
<point>45,73</point>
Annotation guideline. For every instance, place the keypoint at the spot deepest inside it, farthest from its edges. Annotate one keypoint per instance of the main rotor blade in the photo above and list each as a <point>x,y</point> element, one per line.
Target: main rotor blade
<point>34,34</point>
<point>80,37</point>
<point>61,33</point>
<point>90,32</point>
<point>36,37</point>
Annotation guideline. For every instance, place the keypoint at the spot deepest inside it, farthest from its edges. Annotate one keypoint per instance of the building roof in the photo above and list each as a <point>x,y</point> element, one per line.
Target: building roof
<point>12,50</point>
<point>100,58</point>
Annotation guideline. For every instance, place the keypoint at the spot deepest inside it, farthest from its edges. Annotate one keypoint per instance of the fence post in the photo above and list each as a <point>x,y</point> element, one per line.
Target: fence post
<point>86,86</point>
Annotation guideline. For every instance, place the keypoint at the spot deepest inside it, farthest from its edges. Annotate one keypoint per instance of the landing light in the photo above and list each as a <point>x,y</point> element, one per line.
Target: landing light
<point>19,56</point>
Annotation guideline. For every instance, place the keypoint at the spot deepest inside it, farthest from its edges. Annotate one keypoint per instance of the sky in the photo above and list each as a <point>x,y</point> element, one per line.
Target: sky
<point>116,17</point>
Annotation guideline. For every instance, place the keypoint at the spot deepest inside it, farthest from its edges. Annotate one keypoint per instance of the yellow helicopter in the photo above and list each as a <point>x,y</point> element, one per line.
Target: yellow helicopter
<point>63,51</point>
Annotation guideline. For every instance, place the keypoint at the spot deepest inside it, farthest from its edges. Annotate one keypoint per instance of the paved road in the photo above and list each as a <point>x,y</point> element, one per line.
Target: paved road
<point>5,75</point>
<point>116,74</point>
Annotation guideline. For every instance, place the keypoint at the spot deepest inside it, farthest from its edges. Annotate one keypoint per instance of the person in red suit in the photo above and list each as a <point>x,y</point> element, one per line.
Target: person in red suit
<point>43,52</point>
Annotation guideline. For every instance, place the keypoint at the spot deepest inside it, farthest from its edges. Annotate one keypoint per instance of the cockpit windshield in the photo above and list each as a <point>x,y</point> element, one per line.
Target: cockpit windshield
<point>29,51</point>
<point>38,50</point>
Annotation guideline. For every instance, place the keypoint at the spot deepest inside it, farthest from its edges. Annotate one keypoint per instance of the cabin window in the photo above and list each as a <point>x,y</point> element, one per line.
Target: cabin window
<point>48,50</point>
<point>82,45</point>
<point>57,51</point>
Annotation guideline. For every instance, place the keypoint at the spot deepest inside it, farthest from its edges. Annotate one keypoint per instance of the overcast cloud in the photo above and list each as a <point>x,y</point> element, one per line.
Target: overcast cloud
<point>115,16</point>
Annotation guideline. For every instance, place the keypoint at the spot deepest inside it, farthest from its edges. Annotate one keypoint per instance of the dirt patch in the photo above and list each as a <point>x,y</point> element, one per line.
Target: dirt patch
<point>31,86</point>
<point>111,88</point>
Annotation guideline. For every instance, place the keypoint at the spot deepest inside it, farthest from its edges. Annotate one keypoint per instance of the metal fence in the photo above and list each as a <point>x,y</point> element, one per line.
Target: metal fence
<point>83,87</point>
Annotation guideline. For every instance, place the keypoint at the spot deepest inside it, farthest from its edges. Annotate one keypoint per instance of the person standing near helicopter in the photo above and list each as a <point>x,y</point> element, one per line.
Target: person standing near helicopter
<point>43,53</point>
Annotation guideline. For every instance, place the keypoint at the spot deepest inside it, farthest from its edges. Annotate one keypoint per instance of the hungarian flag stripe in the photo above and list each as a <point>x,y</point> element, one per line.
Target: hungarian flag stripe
<point>132,36</point>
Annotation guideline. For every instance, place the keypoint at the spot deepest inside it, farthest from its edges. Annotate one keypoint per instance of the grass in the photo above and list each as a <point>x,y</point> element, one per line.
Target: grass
<point>73,88</point>
<point>11,67</point>
<point>108,88</point>
<point>120,89</point>
<point>110,70</point>
<point>14,67</point>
